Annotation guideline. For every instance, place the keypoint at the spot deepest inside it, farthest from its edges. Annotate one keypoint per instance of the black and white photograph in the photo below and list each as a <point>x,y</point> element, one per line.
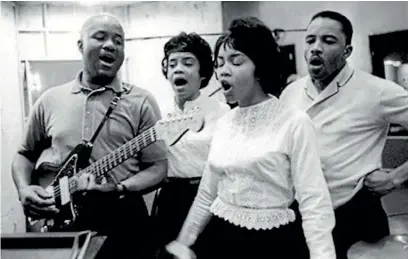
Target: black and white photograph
<point>204,129</point>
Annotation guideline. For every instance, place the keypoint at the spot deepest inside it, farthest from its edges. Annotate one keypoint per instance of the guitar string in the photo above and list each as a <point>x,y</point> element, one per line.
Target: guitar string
<point>148,137</point>
<point>143,137</point>
<point>110,163</point>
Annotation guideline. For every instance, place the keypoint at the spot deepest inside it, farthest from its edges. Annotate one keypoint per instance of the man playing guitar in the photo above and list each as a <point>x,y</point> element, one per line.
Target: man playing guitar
<point>68,114</point>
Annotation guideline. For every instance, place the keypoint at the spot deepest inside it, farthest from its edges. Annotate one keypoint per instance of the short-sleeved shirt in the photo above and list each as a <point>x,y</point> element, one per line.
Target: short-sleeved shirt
<point>351,116</point>
<point>65,115</point>
<point>188,156</point>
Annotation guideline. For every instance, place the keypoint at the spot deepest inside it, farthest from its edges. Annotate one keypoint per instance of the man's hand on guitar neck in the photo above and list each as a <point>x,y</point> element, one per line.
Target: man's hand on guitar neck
<point>37,202</point>
<point>86,182</point>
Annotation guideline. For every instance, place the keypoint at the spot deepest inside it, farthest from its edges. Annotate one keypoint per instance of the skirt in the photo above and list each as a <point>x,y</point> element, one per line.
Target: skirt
<point>222,239</point>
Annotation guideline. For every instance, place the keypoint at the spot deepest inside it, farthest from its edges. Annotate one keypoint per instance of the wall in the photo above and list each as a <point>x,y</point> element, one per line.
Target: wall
<point>234,9</point>
<point>367,17</point>
<point>11,120</point>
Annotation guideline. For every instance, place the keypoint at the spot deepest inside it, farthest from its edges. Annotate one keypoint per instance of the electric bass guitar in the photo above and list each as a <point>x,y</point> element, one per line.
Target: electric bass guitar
<point>60,180</point>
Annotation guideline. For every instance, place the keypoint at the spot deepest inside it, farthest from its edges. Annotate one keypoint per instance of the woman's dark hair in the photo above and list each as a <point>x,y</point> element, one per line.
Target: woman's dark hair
<point>196,45</point>
<point>252,37</point>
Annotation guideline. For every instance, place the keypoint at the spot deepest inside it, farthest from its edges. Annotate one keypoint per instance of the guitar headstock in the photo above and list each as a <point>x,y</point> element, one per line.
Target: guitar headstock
<point>172,128</point>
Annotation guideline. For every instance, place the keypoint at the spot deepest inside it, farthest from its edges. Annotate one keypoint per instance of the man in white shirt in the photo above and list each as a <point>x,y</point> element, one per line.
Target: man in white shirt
<point>351,111</point>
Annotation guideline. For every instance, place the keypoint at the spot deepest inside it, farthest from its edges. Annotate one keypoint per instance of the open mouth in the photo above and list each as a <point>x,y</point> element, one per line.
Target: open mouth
<point>180,81</point>
<point>107,59</point>
<point>315,61</point>
<point>225,85</point>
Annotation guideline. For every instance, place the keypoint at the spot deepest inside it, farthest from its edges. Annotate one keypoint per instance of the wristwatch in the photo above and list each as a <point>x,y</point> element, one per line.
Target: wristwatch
<point>121,188</point>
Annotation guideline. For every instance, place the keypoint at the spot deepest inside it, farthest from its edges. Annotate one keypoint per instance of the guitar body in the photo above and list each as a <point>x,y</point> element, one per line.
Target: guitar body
<point>48,176</point>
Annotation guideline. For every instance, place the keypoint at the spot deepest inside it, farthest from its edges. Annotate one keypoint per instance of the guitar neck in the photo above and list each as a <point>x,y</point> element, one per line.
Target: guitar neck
<point>118,156</point>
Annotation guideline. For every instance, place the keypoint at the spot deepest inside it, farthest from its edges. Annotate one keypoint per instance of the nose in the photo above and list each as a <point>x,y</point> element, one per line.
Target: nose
<point>178,68</point>
<point>223,71</point>
<point>109,45</point>
<point>316,47</point>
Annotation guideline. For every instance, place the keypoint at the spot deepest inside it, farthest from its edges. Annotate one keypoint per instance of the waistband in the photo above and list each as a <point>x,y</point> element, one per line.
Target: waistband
<point>181,180</point>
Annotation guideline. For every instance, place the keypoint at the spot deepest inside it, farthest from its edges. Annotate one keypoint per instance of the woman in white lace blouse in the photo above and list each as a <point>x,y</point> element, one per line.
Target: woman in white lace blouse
<point>263,155</point>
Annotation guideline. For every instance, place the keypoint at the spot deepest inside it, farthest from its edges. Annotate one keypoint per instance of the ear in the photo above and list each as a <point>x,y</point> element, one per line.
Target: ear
<point>80,45</point>
<point>347,51</point>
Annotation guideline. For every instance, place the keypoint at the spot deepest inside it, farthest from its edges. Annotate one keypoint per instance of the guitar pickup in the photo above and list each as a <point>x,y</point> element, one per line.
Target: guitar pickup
<point>64,190</point>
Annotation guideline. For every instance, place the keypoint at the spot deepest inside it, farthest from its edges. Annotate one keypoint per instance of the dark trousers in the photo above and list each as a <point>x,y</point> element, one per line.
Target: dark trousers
<point>170,209</point>
<point>125,222</point>
<point>362,218</point>
<point>222,239</point>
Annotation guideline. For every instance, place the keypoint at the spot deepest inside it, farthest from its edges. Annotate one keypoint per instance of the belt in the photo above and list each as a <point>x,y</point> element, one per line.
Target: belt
<point>181,180</point>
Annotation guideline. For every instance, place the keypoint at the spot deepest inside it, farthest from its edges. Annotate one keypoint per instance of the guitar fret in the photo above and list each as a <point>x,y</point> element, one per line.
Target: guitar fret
<point>104,164</point>
<point>115,157</point>
<point>128,148</point>
<point>98,169</point>
<point>109,162</point>
<point>144,139</point>
<point>125,153</point>
<point>124,156</point>
<point>119,156</point>
<point>137,144</point>
<point>153,134</point>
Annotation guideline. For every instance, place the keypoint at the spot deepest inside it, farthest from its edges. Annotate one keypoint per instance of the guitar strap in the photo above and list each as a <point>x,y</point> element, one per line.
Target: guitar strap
<point>116,98</point>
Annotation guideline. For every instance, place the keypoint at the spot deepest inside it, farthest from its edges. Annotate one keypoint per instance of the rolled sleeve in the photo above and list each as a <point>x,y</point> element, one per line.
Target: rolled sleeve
<point>311,190</point>
<point>149,115</point>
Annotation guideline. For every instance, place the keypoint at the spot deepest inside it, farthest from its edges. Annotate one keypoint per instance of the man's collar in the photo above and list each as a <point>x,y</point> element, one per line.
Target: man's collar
<point>77,87</point>
<point>333,87</point>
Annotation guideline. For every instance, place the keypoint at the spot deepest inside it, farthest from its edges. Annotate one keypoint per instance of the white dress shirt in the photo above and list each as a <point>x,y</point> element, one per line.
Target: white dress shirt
<point>351,116</point>
<point>188,156</point>
<point>260,158</point>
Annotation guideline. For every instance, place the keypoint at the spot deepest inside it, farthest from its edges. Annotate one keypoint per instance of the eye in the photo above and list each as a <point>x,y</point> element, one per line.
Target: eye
<point>238,60</point>
<point>310,40</point>
<point>219,63</point>
<point>330,40</point>
<point>172,64</point>
<point>99,36</point>
<point>189,63</point>
<point>119,41</point>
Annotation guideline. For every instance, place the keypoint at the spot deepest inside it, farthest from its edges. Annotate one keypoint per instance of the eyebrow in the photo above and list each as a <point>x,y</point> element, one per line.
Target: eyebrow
<point>183,58</point>
<point>324,35</point>
<point>236,55</point>
<point>233,55</point>
<point>102,31</point>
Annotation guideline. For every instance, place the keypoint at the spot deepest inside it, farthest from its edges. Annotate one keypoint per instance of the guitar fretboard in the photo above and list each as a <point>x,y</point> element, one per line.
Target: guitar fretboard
<point>115,158</point>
